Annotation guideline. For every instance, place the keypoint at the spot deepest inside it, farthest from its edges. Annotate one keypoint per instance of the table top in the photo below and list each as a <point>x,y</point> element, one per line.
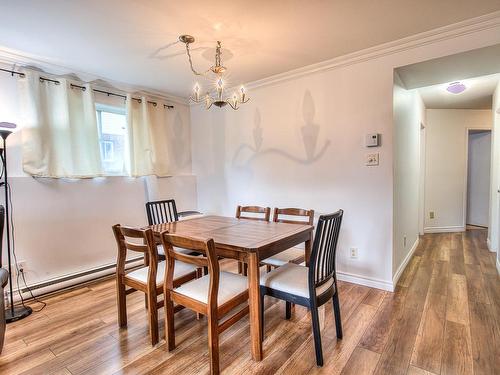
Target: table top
<point>237,234</point>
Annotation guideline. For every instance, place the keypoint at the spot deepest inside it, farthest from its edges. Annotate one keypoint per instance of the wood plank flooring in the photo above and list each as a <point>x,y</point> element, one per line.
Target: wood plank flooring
<point>444,318</point>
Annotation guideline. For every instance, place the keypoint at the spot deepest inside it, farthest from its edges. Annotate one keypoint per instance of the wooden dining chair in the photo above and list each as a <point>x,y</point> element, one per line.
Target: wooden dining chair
<point>213,295</point>
<point>251,213</point>
<point>310,286</point>
<point>147,279</point>
<point>294,254</point>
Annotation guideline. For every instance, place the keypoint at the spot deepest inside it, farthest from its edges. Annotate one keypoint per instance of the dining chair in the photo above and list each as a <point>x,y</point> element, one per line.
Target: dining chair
<point>294,254</point>
<point>311,286</point>
<point>213,295</point>
<point>147,279</point>
<point>251,213</point>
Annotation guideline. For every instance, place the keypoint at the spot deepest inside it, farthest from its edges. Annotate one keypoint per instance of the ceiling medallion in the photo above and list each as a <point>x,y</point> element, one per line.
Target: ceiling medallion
<point>217,98</point>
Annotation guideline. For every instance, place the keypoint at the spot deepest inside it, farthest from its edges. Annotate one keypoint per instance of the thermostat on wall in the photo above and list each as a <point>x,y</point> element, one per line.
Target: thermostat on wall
<point>372,140</point>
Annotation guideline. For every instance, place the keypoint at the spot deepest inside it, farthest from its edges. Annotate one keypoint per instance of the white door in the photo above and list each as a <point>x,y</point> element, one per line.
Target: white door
<point>478,180</point>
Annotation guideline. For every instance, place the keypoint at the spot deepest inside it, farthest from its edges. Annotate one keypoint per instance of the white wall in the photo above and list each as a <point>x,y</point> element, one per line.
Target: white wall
<point>494,228</point>
<point>446,165</point>
<point>64,226</point>
<point>300,142</point>
<point>409,115</point>
<point>478,178</point>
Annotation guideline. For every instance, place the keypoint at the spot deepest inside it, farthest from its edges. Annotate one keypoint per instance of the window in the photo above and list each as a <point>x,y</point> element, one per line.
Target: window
<point>112,127</point>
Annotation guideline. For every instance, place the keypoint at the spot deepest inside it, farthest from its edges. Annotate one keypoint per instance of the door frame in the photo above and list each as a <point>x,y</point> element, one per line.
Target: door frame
<point>466,172</point>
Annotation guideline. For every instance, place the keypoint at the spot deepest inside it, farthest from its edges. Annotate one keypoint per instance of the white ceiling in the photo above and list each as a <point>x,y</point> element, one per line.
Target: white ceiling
<point>478,94</point>
<point>478,69</point>
<point>126,40</point>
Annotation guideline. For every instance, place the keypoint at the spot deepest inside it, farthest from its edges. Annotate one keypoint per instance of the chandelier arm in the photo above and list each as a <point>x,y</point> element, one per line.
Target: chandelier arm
<point>235,107</point>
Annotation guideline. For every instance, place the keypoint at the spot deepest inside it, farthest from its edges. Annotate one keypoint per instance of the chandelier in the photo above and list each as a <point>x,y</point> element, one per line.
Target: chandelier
<point>218,98</point>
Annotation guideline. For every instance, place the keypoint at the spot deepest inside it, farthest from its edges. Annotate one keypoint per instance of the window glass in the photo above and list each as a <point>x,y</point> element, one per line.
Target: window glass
<point>112,127</point>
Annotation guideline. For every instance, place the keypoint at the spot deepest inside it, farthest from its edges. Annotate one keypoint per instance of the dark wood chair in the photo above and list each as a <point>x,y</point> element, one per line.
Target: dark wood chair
<point>148,279</point>
<point>213,295</point>
<point>251,213</point>
<point>294,254</point>
<point>310,286</point>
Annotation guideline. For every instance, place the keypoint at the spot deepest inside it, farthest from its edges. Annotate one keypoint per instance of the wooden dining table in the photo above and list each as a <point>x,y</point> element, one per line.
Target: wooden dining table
<point>249,241</point>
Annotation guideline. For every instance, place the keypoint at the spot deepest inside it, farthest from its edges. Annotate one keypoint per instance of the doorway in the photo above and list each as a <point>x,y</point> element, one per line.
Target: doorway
<point>478,177</point>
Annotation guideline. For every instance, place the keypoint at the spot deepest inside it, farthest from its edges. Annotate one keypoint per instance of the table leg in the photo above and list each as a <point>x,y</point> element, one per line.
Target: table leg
<point>308,247</point>
<point>254,302</point>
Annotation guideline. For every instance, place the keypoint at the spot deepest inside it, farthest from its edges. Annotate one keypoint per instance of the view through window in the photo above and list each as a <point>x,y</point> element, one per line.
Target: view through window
<point>112,126</point>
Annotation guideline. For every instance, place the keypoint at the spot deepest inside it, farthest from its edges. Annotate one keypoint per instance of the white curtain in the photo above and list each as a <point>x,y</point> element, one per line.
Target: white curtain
<point>59,130</point>
<point>148,136</point>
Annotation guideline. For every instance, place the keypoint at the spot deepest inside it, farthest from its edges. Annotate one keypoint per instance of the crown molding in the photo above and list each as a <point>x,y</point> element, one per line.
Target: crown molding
<point>15,59</point>
<point>470,26</point>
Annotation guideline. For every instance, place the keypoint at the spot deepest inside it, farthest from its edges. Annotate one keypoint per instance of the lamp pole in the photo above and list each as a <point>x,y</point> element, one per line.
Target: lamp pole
<point>13,313</point>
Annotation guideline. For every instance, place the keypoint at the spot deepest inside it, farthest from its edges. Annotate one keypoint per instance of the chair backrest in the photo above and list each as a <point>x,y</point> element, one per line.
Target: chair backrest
<point>148,247</point>
<point>322,263</point>
<point>281,216</point>
<point>208,259</point>
<point>161,212</point>
<point>265,211</point>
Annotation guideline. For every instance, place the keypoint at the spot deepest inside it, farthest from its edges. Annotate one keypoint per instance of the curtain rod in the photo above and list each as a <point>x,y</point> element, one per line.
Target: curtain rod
<point>42,79</point>
<point>83,88</point>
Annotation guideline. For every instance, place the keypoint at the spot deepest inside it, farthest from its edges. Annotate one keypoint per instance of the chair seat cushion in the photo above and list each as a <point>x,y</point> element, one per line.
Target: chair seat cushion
<point>285,257</point>
<point>293,279</point>
<point>230,286</point>
<point>180,269</point>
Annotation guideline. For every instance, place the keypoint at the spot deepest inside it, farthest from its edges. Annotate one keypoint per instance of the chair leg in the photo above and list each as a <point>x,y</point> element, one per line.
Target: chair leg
<point>153,318</point>
<point>122,304</point>
<point>213,344</point>
<point>146,301</point>
<point>288,310</point>
<point>240,267</point>
<point>262,295</point>
<point>268,268</point>
<point>317,335</point>
<point>336,312</point>
<point>169,322</point>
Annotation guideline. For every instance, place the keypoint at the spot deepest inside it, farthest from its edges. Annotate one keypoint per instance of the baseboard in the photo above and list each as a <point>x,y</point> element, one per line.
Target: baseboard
<point>405,262</point>
<point>458,228</point>
<point>366,281</point>
<point>71,280</point>
<point>498,266</point>
<point>490,247</point>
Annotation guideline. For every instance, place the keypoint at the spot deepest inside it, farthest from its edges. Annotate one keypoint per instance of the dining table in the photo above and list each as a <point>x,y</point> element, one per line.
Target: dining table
<point>249,241</point>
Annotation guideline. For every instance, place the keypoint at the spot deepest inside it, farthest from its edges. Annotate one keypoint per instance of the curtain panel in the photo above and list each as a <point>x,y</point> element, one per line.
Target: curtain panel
<point>59,132</point>
<point>148,135</point>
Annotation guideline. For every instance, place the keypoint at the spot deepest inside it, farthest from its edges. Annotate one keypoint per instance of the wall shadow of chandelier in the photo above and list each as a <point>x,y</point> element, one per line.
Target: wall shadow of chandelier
<point>218,98</point>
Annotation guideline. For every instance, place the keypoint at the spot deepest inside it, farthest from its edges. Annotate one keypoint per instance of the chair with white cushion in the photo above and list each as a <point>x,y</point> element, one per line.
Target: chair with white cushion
<point>213,295</point>
<point>147,279</point>
<point>294,254</point>
<point>311,286</point>
<point>165,211</point>
<point>251,213</point>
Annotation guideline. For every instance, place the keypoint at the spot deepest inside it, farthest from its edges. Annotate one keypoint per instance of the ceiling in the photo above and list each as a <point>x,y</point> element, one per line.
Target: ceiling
<point>478,95</point>
<point>133,41</point>
<point>478,69</point>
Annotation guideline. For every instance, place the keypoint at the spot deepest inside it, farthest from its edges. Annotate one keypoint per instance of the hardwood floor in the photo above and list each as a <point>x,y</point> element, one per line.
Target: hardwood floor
<point>444,318</point>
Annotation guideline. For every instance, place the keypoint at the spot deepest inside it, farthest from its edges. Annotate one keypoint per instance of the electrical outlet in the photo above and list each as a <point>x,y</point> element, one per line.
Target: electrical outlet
<point>354,252</point>
<point>21,265</point>
<point>431,215</point>
<point>371,159</point>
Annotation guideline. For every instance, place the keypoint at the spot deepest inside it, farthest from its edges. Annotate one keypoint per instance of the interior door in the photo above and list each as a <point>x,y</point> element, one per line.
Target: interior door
<point>478,181</point>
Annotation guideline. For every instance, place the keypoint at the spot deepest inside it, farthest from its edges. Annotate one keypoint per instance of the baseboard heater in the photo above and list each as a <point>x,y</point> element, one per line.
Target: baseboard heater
<point>72,280</point>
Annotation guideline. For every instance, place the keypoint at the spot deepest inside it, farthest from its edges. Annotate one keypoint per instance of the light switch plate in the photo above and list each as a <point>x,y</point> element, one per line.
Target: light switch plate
<point>371,159</point>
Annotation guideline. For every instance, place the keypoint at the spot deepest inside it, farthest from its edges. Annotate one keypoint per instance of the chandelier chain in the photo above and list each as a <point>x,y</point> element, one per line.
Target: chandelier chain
<point>191,63</point>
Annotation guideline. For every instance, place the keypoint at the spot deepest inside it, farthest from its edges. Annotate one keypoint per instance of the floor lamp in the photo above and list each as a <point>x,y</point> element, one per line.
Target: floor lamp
<point>12,313</point>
